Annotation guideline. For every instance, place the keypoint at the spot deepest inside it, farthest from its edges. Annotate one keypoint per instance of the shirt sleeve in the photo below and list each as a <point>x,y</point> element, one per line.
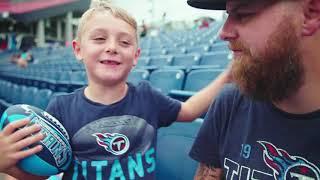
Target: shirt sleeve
<point>167,108</point>
<point>207,145</point>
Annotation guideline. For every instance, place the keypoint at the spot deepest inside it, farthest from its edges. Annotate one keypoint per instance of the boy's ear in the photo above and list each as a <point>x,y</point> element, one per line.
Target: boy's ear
<point>311,22</point>
<point>136,56</point>
<point>76,49</point>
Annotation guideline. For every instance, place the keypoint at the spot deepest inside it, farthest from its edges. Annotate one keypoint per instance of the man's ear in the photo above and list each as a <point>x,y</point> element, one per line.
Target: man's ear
<point>311,22</point>
<point>136,56</point>
<point>76,49</point>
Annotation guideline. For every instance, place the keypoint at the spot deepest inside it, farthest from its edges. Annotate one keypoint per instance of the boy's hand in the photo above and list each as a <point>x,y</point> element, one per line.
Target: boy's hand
<point>13,139</point>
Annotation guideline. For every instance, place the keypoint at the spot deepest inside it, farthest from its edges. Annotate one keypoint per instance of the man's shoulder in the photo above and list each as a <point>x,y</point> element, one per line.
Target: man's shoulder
<point>230,90</point>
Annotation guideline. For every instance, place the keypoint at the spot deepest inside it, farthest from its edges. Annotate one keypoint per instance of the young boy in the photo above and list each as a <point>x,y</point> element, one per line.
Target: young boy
<point>113,124</point>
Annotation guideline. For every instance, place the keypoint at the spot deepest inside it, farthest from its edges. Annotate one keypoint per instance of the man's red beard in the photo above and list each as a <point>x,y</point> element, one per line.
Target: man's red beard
<point>274,75</point>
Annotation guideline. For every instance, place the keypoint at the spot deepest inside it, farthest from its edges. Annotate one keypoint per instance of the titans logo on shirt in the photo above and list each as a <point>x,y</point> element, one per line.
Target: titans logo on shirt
<point>285,166</point>
<point>114,143</point>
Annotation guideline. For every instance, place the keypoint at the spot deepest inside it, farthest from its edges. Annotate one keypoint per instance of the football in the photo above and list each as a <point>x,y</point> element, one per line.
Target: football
<point>56,155</point>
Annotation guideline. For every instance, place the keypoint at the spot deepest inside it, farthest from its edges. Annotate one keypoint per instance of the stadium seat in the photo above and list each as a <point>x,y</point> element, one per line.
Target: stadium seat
<point>178,50</point>
<point>173,146</point>
<point>157,52</point>
<point>137,75</point>
<point>221,46</point>
<point>160,61</point>
<point>78,79</point>
<point>186,60</point>
<point>167,79</point>
<point>17,93</point>
<point>195,80</point>
<point>221,58</point>
<point>2,85</point>
<point>41,99</point>
<point>143,61</point>
<point>63,82</point>
<point>28,95</point>
<point>198,49</point>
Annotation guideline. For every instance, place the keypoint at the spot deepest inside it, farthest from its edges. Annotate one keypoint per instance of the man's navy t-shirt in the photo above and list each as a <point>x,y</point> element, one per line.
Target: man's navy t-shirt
<point>255,140</point>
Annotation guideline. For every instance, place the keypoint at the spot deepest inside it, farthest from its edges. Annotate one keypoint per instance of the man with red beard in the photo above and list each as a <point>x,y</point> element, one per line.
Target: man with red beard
<point>265,125</point>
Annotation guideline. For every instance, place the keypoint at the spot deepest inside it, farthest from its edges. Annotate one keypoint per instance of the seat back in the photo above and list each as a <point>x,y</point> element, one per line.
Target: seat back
<point>173,146</point>
<point>199,78</point>
<point>167,79</point>
<point>42,98</point>
<point>138,75</point>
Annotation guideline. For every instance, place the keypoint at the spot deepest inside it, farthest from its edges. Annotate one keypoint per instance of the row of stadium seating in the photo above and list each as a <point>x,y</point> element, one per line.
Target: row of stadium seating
<point>163,79</point>
<point>166,43</point>
<point>196,58</point>
<point>11,93</point>
<point>186,62</point>
<point>67,53</point>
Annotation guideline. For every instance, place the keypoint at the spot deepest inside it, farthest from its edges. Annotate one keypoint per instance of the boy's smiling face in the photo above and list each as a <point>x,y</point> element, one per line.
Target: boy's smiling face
<point>108,48</point>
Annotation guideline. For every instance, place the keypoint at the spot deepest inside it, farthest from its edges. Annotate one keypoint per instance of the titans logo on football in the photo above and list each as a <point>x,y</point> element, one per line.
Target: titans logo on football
<point>55,144</point>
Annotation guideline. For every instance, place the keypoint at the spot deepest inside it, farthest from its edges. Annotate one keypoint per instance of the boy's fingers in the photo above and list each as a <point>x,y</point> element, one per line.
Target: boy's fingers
<point>11,127</point>
<point>25,153</point>
<point>22,133</point>
<point>27,141</point>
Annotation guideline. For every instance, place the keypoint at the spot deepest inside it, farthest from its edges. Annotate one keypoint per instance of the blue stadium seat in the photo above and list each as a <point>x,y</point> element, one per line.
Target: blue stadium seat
<point>221,46</point>
<point>7,90</point>
<point>17,93</point>
<point>143,61</point>
<point>195,80</point>
<point>176,50</point>
<point>41,99</point>
<point>160,61</point>
<point>78,79</point>
<point>48,80</point>
<point>173,146</point>
<point>198,49</point>
<point>63,82</point>
<point>28,95</point>
<point>167,79</point>
<point>144,53</point>
<point>157,52</point>
<point>221,58</point>
<point>7,94</point>
<point>137,75</point>
<point>186,60</point>
<point>2,85</point>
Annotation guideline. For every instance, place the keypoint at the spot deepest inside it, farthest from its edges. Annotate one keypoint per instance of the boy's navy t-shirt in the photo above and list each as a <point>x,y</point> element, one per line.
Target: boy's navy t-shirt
<point>116,141</point>
<point>255,140</point>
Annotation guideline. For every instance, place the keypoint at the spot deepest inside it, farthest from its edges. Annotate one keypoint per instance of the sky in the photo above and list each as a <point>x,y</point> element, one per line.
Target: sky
<point>176,10</point>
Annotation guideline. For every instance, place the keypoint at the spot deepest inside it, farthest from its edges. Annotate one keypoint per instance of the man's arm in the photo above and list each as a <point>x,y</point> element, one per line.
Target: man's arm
<point>205,172</point>
<point>198,104</point>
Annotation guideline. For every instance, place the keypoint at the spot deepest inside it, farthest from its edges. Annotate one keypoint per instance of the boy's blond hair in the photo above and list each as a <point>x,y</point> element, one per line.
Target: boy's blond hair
<point>100,6</point>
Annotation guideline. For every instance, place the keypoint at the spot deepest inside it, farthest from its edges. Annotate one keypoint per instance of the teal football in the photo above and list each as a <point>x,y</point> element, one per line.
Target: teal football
<point>56,154</point>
